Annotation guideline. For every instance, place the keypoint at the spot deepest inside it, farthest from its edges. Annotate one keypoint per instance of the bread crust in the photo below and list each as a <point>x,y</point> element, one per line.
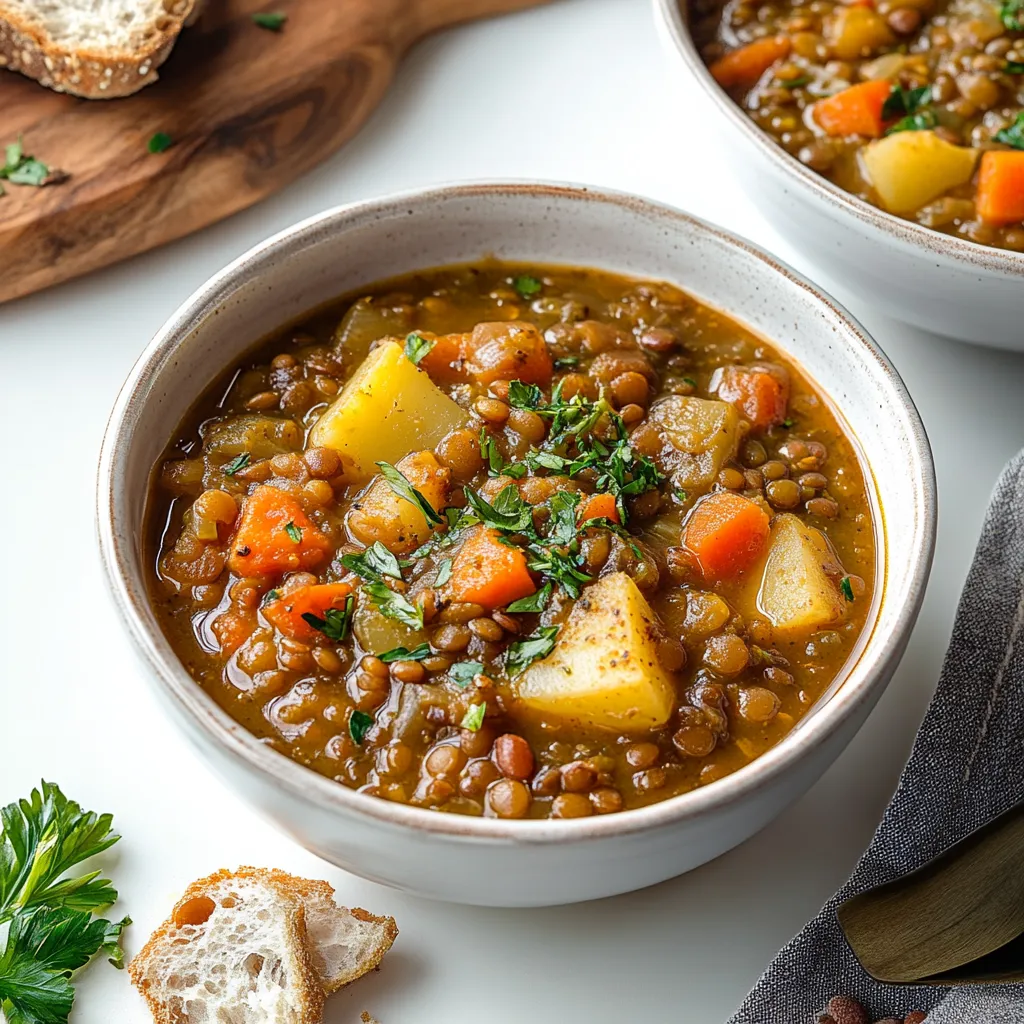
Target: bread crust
<point>26,47</point>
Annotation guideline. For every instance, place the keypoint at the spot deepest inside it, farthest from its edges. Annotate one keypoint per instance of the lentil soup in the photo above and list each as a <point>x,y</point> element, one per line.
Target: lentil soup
<point>912,105</point>
<point>515,541</point>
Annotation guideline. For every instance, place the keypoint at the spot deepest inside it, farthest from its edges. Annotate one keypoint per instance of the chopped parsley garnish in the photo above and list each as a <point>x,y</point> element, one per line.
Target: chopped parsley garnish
<point>237,463</point>
<point>52,930</point>
<point>788,422</point>
<point>847,588</point>
<point>681,495</point>
<point>1012,14</point>
<point>373,563</point>
<point>271,595</point>
<point>571,418</point>
<point>524,396</point>
<point>1014,67</point>
<point>521,654</point>
<point>273,21</point>
<point>418,653</point>
<point>416,347</point>
<point>444,573</point>
<point>1014,135</point>
<point>293,531</point>
<point>690,381</point>
<point>564,362</point>
<point>393,605</point>
<point>496,464</point>
<point>462,673</point>
<point>359,725</point>
<point>509,513</point>
<point>536,602</point>
<point>336,621</point>
<point>397,481</point>
<point>474,717</point>
<point>560,565</point>
<point>910,107</point>
<point>794,83</point>
<point>527,286</point>
<point>21,169</point>
<point>160,142</point>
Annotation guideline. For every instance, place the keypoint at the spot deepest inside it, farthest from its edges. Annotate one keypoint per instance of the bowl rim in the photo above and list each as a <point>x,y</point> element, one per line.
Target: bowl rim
<point>878,656</point>
<point>674,25</point>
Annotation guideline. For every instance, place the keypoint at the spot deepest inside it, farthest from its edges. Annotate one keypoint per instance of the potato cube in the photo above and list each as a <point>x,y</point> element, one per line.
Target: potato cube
<point>909,169</point>
<point>383,514</point>
<point>704,432</point>
<point>604,668</point>
<point>389,408</point>
<point>797,595</point>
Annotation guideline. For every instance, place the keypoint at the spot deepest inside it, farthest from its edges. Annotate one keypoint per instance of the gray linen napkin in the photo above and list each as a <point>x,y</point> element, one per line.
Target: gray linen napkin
<point>966,767</point>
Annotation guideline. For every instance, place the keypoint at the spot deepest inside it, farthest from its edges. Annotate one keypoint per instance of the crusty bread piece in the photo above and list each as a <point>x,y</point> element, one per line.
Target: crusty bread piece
<point>257,958</point>
<point>99,49</point>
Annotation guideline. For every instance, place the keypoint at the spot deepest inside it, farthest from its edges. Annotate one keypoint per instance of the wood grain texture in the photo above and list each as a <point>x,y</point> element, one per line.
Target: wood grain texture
<point>249,110</point>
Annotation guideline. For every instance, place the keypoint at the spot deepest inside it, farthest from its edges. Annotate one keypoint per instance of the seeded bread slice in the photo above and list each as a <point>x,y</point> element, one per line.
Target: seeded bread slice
<point>98,49</point>
<point>256,947</point>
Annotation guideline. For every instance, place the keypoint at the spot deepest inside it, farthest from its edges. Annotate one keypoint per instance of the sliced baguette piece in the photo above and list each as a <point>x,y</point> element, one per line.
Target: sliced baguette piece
<point>337,946</point>
<point>97,49</point>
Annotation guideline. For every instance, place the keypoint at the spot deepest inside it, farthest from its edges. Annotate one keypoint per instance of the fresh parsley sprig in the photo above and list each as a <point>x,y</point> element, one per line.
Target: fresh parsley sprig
<point>1014,135</point>
<point>374,563</point>
<point>910,106</point>
<point>21,169</point>
<point>399,483</point>
<point>521,654</point>
<point>335,623</point>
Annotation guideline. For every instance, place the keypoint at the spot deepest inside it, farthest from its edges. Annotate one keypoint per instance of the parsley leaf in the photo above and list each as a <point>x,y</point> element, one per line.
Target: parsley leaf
<point>564,362</point>
<point>359,725</point>
<point>919,122</point>
<point>463,672</point>
<point>397,481</point>
<point>847,588</point>
<point>44,837</point>
<point>270,20</point>
<point>474,717</point>
<point>902,101</point>
<point>536,602</point>
<point>416,347</point>
<point>509,513</point>
<point>21,169</point>
<point>444,573</point>
<point>1014,135</point>
<point>373,563</point>
<point>1014,67</point>
<point>794,83</point>
<point>562,524</point>
<point>524,396</point>
<point>559,565</point>
<point>393,605</point>
<point>527,286</point>
<point>418,653</point>
<point>293,531</point>
<point>237,463</point>
<point>336,621</point>
<point>13,153</point>
<point>523,653</point>
<point>160,142</point>
<point>1011,13</point>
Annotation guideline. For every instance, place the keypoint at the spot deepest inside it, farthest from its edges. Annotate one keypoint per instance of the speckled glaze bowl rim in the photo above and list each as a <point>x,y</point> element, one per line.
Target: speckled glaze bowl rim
<point>674,24</point>
<point>873,668</point>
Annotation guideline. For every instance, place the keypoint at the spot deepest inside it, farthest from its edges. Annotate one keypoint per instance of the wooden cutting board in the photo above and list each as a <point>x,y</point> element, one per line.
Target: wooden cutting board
<point>249,110</point>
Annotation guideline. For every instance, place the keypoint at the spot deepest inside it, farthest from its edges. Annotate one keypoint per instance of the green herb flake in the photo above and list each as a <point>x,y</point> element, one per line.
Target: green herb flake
<point>1012,14</point>
<point>398,482</point>
<point>1014,135</point>
<point>564,362</point>
<point>19,168</point>
<point>444,573</point>
<point>273,21</point>
<point>293,531</point>
<point>271,596</point>
<point>239,462</point>
<point>681,495</point>
<point>1014,67</point>
<point>416,347</point>
<point>359,725</point>
<point>336,622</point>
<point>524,396</point>
<point>527,286</point>
<point>373,564</point>
<point>523,653</point>
<point>418,653</point>
<point>509,513</point>
<point>474,717</point>
<point>393,605</point>
<point>788,422</point>
<point>922,121</point>
<point>160,142</point>
<point>794,83</point>
<point>847,588</point>
<point>690,381</point>
<point>462,673</point>
<point>536,602</point>
<point>902,101</point>
<point>13,153</point>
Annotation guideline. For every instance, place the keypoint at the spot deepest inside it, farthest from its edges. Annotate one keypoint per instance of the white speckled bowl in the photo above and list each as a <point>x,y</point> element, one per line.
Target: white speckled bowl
<point>486,861</point>
<point>947,285</point>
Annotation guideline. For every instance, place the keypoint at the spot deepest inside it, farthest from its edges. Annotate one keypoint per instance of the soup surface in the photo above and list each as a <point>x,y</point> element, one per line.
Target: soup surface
<point>913,105</point>
<point>516,541</point>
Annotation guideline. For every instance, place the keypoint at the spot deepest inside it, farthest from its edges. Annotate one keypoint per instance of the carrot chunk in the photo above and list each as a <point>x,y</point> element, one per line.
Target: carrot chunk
<point>725,533</point>
<point>232,629</point>
<point>760,393</point>
<point>446,359</point>
<point>509,351</point>
<point>275,536</point>
<point>856,110</point>
<point>1000,198</point>
<point>743,67</point>
<point>288,612</point>
<point>489,572</point>
<point>599,506</point>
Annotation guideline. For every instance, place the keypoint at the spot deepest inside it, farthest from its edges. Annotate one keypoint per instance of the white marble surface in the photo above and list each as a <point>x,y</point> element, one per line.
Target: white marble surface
<point>576,91</point>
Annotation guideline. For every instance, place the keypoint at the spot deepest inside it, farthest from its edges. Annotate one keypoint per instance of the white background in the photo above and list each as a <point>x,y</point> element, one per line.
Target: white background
<point>577,91</point>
